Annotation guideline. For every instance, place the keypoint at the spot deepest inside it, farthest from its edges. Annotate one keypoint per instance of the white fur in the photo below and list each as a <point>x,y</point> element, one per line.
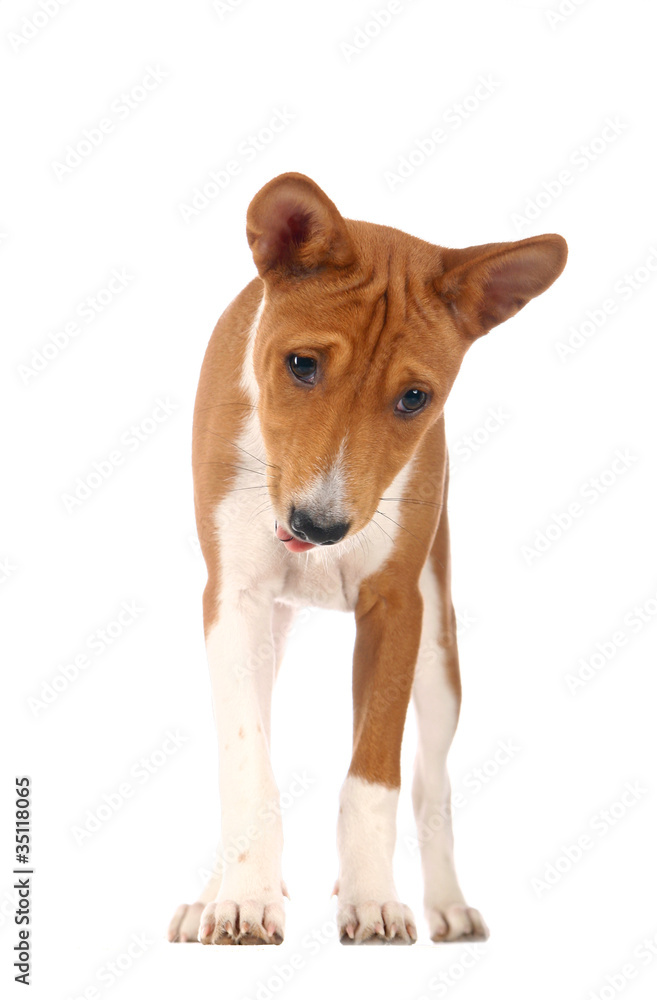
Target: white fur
<point>368,906</point>
<point>248,379</point>
<point>241,659</point>
<point>366,841</point>
<point>324,496</point>
<point>436,709</point>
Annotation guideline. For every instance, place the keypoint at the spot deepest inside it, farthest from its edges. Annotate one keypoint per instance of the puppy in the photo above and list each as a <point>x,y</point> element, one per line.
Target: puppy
<point>320,477</point>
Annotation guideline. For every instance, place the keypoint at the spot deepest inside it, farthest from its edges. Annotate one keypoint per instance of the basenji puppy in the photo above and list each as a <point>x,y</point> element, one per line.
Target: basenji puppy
<point>320,478</point>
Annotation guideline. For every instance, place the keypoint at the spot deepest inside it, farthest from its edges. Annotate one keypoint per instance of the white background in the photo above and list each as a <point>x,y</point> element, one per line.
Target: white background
<point>527,620</point>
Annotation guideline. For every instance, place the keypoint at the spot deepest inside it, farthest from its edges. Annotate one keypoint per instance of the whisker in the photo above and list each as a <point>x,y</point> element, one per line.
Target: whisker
<point>229,465</point>
<point>263,506</point>
<point>267,510</point>
<point>366,537</point>
<point>428,503</point>
<point>238,489</point>
<point>262,509</point>
<point>205,409</point>
<point>382,529</point>
<point>397,523</point>
<point>239,447</point>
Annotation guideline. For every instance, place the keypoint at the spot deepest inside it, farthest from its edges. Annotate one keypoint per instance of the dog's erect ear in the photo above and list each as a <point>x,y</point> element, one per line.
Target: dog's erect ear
<point>294,229</point>
<point>483,286</point>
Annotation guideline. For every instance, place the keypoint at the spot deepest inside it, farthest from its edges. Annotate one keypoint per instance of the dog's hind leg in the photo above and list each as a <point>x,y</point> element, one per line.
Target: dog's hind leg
<point>437,696</point>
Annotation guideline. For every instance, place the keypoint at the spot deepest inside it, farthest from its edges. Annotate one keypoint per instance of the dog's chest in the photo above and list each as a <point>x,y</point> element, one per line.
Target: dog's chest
<point>253,559</point>
<point>323,580</point>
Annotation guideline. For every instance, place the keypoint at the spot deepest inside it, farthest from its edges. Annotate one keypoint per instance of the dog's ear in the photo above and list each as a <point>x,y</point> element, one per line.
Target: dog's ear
<point>294,229</point>
<point>485,285</point>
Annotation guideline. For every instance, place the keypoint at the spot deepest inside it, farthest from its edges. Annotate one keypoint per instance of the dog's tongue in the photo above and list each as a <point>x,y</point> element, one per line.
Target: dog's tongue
<point>290,543</point>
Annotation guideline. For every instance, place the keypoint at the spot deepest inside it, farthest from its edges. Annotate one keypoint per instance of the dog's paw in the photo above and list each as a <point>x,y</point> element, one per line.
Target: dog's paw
<point>376,923</point>
<point>250,922</point>
<point>186,922</point>
<point>457,922</point>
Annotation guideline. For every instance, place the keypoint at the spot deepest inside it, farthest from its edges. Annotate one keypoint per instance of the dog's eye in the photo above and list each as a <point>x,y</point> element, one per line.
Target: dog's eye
<point>304,369</point>
<point>412,401</point>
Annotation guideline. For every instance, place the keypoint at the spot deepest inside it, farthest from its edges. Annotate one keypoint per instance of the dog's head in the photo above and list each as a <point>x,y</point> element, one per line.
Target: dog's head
<point>362,334</point>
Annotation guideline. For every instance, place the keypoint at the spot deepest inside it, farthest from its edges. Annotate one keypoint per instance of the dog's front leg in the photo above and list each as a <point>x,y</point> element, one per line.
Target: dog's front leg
<point>389,619</point>
<point>248,908</point>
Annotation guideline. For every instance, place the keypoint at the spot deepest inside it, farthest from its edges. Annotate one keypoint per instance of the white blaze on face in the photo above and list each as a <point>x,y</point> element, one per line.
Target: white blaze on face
<point>325,496</point>
<point>248,380</point>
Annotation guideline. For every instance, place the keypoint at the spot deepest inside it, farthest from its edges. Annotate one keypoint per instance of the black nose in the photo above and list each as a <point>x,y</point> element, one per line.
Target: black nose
<point>308,529</point>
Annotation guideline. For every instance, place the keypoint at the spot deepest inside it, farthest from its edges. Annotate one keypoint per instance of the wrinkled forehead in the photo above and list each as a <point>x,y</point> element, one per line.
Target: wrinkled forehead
<point>384,311</point>
<point>387,263</point>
